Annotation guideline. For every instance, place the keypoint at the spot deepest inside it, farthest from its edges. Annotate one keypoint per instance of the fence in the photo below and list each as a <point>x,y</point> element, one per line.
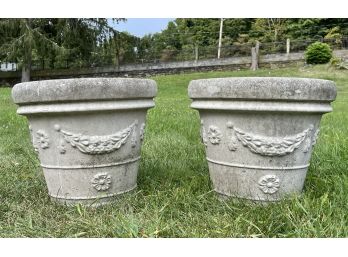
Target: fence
<point>193,53</point>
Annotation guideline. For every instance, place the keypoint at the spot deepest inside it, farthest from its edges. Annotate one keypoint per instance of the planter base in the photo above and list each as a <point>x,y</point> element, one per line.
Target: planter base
<point>88,185</point>
<point>251,202</point>
<point>93,202</point>
<point>251,183</point>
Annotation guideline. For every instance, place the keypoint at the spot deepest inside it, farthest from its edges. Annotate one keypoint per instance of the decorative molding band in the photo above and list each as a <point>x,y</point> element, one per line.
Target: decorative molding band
<point>232,139</point>
<point>95,145</point>
<point>134,140</point>
<point>268,106</point>
<point>204,134</point>
<point>36,148</point>
<point>93,106</point>
<point>273,146</point>
<point>316,136</point>
<point>142,131</point>
<point>90,166</point>
<point>93,198</point>
<point>256,167</point>
<point>42,139</point>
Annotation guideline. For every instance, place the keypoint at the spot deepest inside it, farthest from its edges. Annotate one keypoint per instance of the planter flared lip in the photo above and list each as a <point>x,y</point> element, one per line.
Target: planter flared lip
<point>263,88</point>
<point>83,89</point>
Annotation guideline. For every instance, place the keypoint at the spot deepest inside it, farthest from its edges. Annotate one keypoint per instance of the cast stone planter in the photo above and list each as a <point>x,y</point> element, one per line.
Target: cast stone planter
<point>259,132</point>
<point>88,134</point>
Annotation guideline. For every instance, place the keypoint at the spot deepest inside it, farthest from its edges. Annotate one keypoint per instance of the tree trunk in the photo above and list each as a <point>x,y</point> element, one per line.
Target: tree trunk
<point>117,51</point>
<point>26,68</point>
<point>25,74</point>
<point>117,60</point>
<point>257,46</point>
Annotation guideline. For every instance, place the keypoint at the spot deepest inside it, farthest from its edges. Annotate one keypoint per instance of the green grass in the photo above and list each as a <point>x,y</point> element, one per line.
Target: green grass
<point>174,197</point>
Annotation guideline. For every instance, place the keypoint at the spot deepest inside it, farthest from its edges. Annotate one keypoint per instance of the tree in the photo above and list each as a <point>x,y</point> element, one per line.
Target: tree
<point>25,38</point>
<point>122,47</point>
<point>182,35</point>
<point>269,29</point>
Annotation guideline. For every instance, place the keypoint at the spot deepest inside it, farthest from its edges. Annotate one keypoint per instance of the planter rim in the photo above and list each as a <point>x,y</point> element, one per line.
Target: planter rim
<point>263,88</point>
<point>83,89</point>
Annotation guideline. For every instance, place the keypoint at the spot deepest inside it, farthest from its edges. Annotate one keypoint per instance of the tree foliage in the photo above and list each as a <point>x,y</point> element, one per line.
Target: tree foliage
<point>61,43</point>
<point>73,40</point>
<point>182,35</point>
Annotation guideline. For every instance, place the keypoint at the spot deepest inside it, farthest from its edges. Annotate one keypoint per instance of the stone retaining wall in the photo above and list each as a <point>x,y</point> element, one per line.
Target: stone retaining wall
<point>148,69</point>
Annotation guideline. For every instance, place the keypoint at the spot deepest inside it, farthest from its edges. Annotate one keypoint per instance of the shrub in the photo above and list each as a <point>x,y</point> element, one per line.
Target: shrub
<point>335,61</point>
<point>318,53</point>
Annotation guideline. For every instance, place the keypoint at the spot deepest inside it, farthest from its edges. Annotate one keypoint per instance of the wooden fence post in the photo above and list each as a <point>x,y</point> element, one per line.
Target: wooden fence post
<point>255,56</point>
<point>288,46</point>
<point>196,53</point>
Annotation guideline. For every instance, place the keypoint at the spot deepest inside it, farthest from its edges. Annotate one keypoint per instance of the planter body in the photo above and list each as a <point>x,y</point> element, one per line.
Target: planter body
<point>259,132</point>
<point>88,134</point>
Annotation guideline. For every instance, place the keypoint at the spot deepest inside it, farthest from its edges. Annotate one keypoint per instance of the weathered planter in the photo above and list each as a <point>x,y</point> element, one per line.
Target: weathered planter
<point>259,132</point>
<point>88,134</point>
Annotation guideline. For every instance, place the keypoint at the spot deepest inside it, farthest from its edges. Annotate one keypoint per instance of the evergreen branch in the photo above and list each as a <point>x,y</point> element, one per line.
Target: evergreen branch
<point>47,40</point>
<point>12,44</point>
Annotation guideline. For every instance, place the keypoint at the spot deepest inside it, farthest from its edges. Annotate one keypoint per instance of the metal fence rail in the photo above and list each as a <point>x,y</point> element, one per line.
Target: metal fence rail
<point>193,53</point>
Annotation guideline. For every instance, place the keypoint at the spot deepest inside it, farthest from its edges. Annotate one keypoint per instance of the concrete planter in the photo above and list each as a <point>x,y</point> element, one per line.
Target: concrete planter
<point>87,133</point>
<point>259,132</point>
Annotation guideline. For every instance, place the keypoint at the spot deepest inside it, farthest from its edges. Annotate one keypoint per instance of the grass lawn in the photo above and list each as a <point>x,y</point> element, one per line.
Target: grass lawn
<point>174,197</point>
